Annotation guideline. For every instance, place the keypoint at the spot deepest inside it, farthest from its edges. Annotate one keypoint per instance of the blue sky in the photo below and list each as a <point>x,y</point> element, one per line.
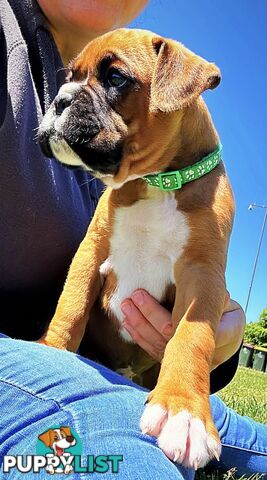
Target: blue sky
<point>233,35</point>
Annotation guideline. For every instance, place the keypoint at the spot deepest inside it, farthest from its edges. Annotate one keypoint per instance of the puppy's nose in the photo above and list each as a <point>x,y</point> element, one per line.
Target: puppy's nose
<point>62,102</point>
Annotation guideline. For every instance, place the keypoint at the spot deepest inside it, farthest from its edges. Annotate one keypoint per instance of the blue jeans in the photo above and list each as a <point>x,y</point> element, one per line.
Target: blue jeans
<point>42,387</point>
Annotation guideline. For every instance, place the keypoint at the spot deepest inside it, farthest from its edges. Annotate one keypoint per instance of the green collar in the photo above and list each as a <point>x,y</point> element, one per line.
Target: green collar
<point>175,180</point>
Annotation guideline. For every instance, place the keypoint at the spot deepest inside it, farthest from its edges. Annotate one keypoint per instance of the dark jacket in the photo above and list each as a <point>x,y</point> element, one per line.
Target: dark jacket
<point>44,207</point>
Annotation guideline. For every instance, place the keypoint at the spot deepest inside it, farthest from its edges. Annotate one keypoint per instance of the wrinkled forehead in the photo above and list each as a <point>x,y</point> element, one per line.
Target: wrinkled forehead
<point>132,48</point>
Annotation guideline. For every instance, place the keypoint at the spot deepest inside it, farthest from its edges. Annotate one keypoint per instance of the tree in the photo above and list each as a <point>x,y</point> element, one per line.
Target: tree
<point>256,332</point>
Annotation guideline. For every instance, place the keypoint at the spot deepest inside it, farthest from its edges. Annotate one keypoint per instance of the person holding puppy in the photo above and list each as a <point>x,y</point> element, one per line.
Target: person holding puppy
<point>45,212</point>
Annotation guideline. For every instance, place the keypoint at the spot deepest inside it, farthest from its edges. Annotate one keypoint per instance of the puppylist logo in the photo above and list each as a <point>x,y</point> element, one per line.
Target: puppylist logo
<point>59,450</point>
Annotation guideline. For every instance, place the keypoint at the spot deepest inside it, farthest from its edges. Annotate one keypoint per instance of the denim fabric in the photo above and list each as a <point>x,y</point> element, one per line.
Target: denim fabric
<point>244,441</point>
<point>41,387</point>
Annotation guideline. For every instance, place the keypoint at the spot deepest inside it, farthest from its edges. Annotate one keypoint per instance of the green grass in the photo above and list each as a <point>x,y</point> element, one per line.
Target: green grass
<point>247,395</point>
<point>217,475</point>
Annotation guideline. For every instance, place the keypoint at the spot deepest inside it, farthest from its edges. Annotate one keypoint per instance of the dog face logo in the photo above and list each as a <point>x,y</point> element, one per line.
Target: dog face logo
<point>58,440</point>
<point>59,450</point>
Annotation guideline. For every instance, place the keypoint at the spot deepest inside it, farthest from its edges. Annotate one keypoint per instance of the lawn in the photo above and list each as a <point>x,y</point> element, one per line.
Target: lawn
<point>247,394</point>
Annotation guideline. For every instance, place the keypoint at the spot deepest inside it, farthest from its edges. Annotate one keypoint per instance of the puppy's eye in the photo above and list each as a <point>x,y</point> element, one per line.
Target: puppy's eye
<point>116,79</point>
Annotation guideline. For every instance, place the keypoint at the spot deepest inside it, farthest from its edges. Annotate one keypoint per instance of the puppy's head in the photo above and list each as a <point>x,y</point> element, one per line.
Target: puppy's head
<point>58,439</point>
<point>119,111</point>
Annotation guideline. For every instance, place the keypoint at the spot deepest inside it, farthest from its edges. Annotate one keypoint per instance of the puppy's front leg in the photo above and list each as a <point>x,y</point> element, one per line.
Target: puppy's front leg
<point>82,285</point>
<point>178,412</point>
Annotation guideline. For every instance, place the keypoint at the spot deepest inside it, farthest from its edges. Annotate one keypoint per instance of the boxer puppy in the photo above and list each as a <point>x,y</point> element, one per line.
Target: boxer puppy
<point>132,108</point>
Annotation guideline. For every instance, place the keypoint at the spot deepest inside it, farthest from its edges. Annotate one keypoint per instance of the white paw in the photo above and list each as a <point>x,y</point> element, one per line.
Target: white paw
<point>182,437</point>
<point>68,469</point>
<point>50,469</point>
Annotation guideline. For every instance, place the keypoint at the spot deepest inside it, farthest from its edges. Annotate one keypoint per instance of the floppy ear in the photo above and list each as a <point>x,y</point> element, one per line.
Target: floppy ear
<point>66,430</point>
<point>45,438</point>
<point>179,76</point>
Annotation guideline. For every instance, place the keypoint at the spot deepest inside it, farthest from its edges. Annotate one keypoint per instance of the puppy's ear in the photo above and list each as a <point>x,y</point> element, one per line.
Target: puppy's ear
<point>45,438</point>
<point>66,430</point>
<point>179,76</point>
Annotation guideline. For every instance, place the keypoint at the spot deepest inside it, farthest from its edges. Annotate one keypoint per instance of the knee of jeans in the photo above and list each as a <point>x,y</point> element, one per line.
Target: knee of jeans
<point>219,411</point>
<point>59,375</point>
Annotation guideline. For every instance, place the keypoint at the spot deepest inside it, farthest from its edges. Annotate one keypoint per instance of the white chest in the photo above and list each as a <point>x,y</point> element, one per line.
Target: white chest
<point>147,240</point>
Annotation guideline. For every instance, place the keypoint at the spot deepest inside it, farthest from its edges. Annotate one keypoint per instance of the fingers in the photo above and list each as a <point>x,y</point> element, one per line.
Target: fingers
<point>229,335</point>
<point>231,305</point>
<point>150,326</point>
<point>156,315</point>
<point>153,350</point>
<point>231,327</point>
<point>142,332</point>
<point>148,323</point>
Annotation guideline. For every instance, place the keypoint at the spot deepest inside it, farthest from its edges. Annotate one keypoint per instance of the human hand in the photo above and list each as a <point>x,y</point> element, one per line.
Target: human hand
<point>150,326</point>
<point>230,333</point>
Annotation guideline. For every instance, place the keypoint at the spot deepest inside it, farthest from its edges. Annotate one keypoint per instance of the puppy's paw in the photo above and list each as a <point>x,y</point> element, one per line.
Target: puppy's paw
<point>68,469</point>
<point>184,438</point>
<point>50,343</point>
<point>50,469</point>
<point>41,341</point>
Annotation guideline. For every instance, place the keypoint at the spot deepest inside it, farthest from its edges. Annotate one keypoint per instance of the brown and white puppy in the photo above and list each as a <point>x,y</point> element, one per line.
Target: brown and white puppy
<point>58,439</point>
<point>133,107</point>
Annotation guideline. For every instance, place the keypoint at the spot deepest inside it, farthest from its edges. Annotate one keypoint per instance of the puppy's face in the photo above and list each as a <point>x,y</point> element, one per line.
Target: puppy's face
<point>58,439</point>
<point>119,113</point>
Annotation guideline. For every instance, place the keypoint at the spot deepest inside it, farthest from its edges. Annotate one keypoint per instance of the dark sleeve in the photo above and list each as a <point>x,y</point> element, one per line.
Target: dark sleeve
<point>224,373</point>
